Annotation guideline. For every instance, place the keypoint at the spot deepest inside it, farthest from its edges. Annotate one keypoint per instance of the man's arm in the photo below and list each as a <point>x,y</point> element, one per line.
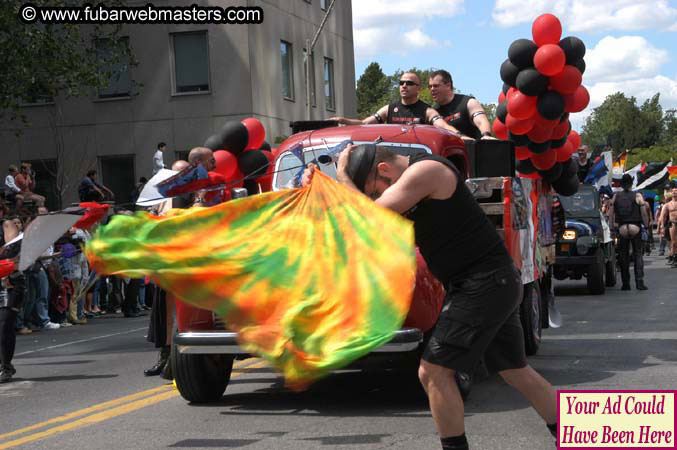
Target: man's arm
<point>435,119</point>
<point>9,182</point>
<point>379,117</point>
<point>479,118</point>
<point>645,216</point>
<point>612,216</point>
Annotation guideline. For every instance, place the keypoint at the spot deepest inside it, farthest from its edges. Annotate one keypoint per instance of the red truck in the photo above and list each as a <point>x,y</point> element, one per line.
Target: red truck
<point>204,349</point>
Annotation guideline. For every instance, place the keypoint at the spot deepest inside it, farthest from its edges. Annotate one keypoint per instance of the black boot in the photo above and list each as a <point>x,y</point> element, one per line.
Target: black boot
<point>6,373</point>
<point>625,287</point>
<point>166,372</point>
<point>161,363</point>
<point>641,286</point>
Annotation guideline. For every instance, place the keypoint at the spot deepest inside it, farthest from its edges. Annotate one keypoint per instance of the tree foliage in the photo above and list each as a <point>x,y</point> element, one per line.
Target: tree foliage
<point>372,87</point>
<point>41,61</point>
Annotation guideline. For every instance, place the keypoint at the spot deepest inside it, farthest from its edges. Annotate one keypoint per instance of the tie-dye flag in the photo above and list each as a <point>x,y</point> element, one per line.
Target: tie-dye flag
<point>311,278</point>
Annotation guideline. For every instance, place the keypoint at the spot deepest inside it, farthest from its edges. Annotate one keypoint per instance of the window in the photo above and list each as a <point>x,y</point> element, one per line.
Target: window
<point>191,62</point>
<point>117,174</point>
<point>119,83</point>
<point>287,70</point>
<point>312,77</point>
<point>329,99</point>
<point>181,155</point>
<point>323,5</point>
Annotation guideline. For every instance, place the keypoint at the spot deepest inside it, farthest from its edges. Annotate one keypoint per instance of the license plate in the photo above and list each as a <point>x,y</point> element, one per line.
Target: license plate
<point>565,247</point>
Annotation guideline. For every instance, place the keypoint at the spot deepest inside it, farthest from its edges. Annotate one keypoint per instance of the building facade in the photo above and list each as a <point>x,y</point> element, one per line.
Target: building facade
<point>190,80</point>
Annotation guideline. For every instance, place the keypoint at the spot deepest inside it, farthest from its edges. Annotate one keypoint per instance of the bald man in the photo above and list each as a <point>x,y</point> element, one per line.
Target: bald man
<point>203,156</point>
<point>409,110</point>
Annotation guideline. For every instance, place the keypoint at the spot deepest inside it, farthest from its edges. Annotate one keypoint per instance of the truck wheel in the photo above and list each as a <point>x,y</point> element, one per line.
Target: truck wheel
<point>530,315</point>
<point>201,378</point>
<point>610,274</point>
<point>596,277</point>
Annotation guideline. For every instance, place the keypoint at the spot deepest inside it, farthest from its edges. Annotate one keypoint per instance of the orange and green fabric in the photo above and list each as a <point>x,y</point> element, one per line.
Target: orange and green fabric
<point>311,278</point>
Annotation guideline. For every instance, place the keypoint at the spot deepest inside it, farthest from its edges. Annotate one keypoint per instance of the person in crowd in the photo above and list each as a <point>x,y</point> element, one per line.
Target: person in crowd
<point>138,188</point>
<point>480,317</point>
<point>25,181</point>
<point>408,110</point>
<point>158,158</point>
<point>91,191</point>
<point>628,216</point>
<point>584,163</point>
<point>668,222</point>
<point>462,112</point>
<point>12,292</point>
<point>12,191</point>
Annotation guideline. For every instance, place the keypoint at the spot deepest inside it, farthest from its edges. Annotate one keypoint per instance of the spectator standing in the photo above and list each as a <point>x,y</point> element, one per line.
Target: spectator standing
<point>158,158</point>
<point>25,181</point>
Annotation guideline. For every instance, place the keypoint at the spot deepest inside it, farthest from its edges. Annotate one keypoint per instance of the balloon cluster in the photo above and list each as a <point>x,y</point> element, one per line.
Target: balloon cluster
<point>241,152</point>
<point>541,86</point>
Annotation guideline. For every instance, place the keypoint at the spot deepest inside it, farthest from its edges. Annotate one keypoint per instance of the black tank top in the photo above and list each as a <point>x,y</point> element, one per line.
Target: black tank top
<point>626,208</point>
<point>455,237</point>
<point>402,114</point>
<point>455,113</point>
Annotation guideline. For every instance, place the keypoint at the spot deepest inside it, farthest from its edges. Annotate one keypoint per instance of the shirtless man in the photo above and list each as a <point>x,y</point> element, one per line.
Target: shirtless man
<point>669,211</point>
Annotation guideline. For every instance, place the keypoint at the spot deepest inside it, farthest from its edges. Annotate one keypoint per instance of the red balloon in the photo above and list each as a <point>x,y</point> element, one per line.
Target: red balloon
<point>500,130</point>
<point>564,152</point>
<point>518,126</point>
<point>522,153</point>
<point>6,267</point>
<point>546,29</point>
<point>501,97</point>
<point>256,133</point>
<point>567,81</point>
<point>577,101</point>
<point>533,176</point>
<point>575,139</point>
<point>226,164</point>
<point>511,90</point>
<point>545,160</point>
<point>539,133</point>
<point>550,59</point>
<point>545,123</point>
<point>521,106</point>
<point>560,130</point>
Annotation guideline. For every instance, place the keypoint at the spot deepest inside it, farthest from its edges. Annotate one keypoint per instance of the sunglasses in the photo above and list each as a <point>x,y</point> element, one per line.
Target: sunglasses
<point>408,83</point>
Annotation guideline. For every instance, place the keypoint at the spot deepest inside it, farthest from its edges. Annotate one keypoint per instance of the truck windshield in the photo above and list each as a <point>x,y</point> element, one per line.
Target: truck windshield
<point>582,201</point>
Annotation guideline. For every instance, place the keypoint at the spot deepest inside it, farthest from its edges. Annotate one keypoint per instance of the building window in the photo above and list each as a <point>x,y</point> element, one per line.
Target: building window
<point>117,174</point>
<point>191,62</point>
<point>329,98</point>
<point>312,76</point>
<point>323,5</point>
<point>181,155</point>
<point>119,82</point>
<point>287,70</point>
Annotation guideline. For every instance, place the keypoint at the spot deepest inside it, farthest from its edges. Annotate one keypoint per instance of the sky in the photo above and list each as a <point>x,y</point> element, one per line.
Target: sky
<point>631,44</point>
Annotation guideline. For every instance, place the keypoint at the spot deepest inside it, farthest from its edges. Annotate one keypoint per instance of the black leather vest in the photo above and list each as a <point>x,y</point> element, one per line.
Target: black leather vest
<point>626,208</point>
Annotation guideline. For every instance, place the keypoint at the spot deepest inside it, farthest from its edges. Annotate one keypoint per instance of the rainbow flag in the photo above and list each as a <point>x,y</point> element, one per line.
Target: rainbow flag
<point>672,172</point>
<point>311,278</point>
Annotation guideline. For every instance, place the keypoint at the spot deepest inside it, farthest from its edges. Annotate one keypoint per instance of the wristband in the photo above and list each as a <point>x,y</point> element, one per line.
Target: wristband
<point>378,117</point>
<point>477,113</point>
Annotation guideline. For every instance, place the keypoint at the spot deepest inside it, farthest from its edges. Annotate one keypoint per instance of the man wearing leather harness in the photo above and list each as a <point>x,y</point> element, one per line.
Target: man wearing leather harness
<point>669,215</point>
<point>484,288</point>
<point>409,110</point>
<point>462,112</point>
<point>628,217</point>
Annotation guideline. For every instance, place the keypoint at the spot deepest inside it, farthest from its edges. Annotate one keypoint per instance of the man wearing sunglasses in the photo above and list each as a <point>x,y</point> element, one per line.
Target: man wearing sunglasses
<point>409,110</point>
<point>480,317</point>
<point>463,112</point>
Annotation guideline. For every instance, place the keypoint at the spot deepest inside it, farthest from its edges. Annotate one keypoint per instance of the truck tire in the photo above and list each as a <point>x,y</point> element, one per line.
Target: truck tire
<point>201,378</point>
<point>596,276</point>
<point>530,315</point>
<point>610,275</point>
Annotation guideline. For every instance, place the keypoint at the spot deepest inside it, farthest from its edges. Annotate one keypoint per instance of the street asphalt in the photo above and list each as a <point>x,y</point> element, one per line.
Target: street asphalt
<point>83,387</point>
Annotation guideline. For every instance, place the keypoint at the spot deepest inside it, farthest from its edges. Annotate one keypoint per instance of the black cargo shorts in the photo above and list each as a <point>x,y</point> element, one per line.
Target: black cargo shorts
<point>480,318</point>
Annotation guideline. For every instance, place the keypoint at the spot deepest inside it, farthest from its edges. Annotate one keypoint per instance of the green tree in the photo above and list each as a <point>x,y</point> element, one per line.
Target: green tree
<point>651,154</point>
<point>372,87</point>
<point>669,129</point>
<point>41,61</point>
<point>490,110</point>
<point>651,121</point>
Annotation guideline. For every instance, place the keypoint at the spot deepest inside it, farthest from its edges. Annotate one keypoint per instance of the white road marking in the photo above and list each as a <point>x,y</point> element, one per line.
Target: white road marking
<point>80,341</point>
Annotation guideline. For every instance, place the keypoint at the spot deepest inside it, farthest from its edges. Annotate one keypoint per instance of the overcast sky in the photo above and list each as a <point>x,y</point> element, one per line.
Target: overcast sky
<point>631,44</point>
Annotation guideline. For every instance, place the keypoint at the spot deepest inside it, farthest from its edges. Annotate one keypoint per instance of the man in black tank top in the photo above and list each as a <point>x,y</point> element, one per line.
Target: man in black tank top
<point>409,110</point>
<point>462,112</point>
<point>462,249</point>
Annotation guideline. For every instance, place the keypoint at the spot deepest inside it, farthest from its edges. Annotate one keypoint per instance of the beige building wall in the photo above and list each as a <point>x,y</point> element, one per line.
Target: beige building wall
<point>245,78</point>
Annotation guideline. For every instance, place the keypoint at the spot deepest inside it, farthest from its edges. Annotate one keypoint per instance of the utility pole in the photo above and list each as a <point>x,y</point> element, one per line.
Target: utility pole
<point>308,57</point>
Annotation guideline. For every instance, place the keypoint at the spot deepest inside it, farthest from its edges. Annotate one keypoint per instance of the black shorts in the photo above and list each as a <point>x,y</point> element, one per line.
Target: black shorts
<point>480,318</point>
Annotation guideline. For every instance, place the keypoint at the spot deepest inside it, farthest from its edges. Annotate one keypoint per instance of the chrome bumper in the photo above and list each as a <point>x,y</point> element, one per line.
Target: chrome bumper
<point>225,342</point>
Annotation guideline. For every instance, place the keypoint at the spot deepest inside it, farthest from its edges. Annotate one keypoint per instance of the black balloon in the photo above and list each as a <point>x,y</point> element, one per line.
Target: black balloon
<point>569,168</point>
<point>252,162</point>
<point>521,53</point>
<point>566,186</point>
<point>505,88</point>
<point>531,82</point>
<point>564,117</point>
<point>520,140</point>
<point>265,146</point>
<point>251,186</point>
<point>525,166</point>
<point>574,49</point>
<point>538,147</point>
<point>552,173</point>
<point>235,136</point>
<point>557,143</point>
<point>214,142</point>
<point>580,65</point>
<point>509,72</point>
<point>550,105</point>
<point>502,111</point>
